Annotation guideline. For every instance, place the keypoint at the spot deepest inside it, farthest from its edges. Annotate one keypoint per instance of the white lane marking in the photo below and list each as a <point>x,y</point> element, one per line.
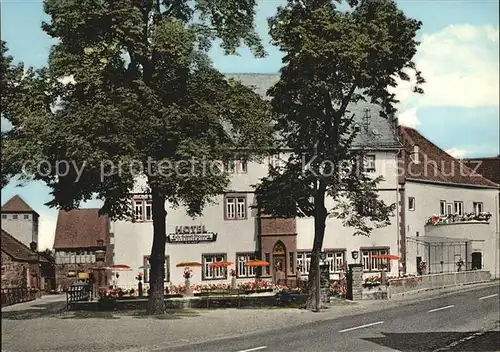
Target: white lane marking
<point>254,349</point>
<point>490,296</point>
<point>362,326</point>
<point>435,310</point>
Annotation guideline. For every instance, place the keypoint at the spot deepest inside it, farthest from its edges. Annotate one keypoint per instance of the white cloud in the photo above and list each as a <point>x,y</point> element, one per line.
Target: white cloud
<point>461,67</point>
<point>409,118</point>
<point>458,153</point>
<point>46,231</point>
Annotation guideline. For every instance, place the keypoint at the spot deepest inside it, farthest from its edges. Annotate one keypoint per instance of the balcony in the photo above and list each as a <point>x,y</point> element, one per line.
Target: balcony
<point>437,220</point>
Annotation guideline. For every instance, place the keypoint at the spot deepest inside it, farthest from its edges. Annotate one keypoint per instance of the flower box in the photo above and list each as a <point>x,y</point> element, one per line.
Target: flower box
<point>259,290</point>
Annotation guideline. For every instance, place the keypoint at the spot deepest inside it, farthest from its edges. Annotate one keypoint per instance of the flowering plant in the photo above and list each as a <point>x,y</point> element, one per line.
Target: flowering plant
<point>338,288</point>
<point>232,272</point>
<point>188,273</point>
<point>460,263</point>
<point>372,281</point>
<point>441,219</point>
<point>139,276</point>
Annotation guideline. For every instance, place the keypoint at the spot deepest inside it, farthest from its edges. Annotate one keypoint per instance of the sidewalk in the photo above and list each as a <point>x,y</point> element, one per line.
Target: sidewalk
<point>129,331</point>
<point>47,305</point>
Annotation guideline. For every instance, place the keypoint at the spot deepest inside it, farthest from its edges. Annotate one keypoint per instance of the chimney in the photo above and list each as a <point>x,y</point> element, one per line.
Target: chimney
<point>33,246</point>
<point>416,155</point>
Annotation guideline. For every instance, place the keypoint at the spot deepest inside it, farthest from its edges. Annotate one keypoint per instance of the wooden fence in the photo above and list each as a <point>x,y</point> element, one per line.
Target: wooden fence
<point>15,295</point>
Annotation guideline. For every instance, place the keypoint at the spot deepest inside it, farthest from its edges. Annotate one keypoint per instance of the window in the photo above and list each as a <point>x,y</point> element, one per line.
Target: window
<point>333,258</point>
<point>459,208</point>
<point>274,161</point>
<point>26,216</point>
<point>267,257</point>
<point>143,210</point>
<point>4,216</point>
<point>230,166</point>
<point>138,210</point>
<point>210,273</point>
<point>374,264</point>
<point>411,203</point>
<point>235,208</point>
<point>292,266</point>
<point>242,167</point>
<point>245,271</point>
<point>442,207</point>
<point>100,243</point>
<point>148,213</point>
<point>14,217</point>
<point>369,163</point>
<point>449,208</point>
<point>166,268</point>
<point>478,207</point>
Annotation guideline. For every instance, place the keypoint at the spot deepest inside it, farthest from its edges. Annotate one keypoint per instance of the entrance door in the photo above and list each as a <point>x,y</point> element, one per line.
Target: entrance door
<point>279,268</point>
<point>419,270</point>
<point>477,260</point>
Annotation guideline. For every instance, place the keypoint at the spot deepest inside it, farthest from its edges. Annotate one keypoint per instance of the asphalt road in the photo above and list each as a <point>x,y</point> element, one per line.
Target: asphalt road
<point>463,321</point>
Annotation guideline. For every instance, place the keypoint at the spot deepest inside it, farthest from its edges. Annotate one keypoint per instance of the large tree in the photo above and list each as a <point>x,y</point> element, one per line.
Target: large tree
<point>333,59</point>
<point>129,90</point>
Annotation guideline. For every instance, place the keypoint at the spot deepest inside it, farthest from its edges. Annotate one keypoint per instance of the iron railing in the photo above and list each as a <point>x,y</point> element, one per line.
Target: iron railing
<point>15,295</point>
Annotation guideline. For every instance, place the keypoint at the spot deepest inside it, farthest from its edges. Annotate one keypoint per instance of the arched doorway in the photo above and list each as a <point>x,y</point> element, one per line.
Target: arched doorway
<point>279,263</point>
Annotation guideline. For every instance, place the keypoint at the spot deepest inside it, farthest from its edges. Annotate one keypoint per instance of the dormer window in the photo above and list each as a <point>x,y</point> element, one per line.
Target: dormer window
<point>416,155</point>
<point>100,243</point>
<point>369,163</point>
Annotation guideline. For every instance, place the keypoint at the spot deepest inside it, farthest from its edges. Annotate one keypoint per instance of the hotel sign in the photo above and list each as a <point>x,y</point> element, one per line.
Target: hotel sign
<point>191,235</point>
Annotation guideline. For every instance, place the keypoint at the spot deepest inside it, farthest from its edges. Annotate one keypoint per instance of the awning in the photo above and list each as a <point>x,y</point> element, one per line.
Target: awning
<point>441,240</point>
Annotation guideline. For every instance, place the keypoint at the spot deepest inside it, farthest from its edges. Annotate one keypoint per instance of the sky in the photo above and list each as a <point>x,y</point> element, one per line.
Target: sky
<point>458,55</point>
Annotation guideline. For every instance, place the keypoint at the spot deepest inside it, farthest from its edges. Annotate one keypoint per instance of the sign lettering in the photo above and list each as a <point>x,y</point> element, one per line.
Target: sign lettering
<point>191,234</point>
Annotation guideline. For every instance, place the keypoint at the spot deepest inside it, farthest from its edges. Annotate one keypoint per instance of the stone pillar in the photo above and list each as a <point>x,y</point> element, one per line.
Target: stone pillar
<point>355,282</point>
<point>189,291</point>
<point>324,282</point>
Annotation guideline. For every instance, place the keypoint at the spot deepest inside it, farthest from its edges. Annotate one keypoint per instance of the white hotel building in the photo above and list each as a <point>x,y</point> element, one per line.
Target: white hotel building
<point>235,233</point>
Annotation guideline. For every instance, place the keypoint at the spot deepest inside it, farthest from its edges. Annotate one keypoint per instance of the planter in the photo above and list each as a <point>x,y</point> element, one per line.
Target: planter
<point>259,291</point>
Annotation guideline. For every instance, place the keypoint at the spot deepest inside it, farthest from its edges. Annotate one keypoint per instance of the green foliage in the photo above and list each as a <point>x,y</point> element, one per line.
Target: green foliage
<point>144,99</point>
<point>143,90</point>
<point>334,59</point>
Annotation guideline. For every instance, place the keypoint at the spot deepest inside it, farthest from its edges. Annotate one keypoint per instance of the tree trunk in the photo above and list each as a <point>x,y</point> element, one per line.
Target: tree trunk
<point>156,304</point>
<point>319,234</point>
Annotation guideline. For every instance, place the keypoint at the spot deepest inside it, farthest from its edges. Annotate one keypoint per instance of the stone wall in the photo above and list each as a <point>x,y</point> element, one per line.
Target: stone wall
<point>355,282</point>
<point>64,279</point>
<point>325,283</point>
<point>12,273</point>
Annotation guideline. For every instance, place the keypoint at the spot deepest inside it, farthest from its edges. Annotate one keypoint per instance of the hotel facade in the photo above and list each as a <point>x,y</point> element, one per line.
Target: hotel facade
<point>441,216</point>
<point>230,230</point>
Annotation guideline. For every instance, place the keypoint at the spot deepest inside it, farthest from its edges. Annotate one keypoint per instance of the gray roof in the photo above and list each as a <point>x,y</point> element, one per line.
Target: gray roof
<point>378,133</point>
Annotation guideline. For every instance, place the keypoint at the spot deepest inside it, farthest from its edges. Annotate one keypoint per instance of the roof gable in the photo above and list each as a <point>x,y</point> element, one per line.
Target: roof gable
<point>434,164</point>
<point>18,250</point>
<point>81,228</point>
<point>17,205</point>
